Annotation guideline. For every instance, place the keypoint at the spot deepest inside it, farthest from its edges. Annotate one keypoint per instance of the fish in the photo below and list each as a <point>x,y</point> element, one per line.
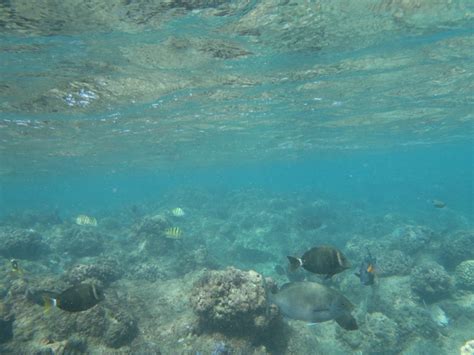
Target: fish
<point>173,233</point>
<point>366,272</point>
<point>438,203</point>
<point>16,269</point>
<point>177,212</point>
<point>280,270</point>
<point>84,220</point>
<point>314,303</point>
<point>77,298</point>
<point>324,260</point>
<point>40,297</point>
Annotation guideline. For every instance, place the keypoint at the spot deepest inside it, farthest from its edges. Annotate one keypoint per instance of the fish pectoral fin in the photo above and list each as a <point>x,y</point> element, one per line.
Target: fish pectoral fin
<point>311,324</point>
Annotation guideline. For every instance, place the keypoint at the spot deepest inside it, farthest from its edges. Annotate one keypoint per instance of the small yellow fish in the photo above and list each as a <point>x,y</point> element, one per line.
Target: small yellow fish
<point>84,220</point>
<point>173,233</point>
<point>177,212</point>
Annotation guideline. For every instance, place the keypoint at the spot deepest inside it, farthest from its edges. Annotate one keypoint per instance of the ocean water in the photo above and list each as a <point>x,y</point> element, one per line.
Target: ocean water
<point>275,126</point>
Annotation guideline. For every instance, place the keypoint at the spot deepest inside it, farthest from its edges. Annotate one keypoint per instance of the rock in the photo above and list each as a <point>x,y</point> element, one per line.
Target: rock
<point>21,243</point>
<point>378,334</point>
<point>467,348</point>
<point>411,239</point>
<point>457,248</point>
<point>464,274</point>
<point>121,331</point>
<point>232,301</point>
<point>431,282</point>
<point>82,241</point>
<point>394,262</point>
<point>105,271</point>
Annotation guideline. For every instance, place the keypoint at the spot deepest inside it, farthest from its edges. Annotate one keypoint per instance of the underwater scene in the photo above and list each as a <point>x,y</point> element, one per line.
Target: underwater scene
<point>211,177</point>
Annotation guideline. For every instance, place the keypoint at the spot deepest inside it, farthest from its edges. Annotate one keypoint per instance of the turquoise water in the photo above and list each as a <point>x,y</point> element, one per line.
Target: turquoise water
<point>275,125</point>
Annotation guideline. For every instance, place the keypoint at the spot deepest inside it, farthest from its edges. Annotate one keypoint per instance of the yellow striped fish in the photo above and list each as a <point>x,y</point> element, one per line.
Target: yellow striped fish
<point>173,233</point>
<point>177,212</point>
<point>84,220</point>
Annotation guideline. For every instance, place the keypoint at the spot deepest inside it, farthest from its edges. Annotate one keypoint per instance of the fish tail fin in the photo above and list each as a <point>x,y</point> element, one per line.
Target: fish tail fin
<point>347,321</point>
<point>295,263</point>
<point>49,303</point>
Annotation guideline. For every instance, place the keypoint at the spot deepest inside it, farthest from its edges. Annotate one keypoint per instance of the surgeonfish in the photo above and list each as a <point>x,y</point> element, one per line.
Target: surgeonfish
<point>177,212</point>
<point>324,260</point>
<point>173,233</point>
<point>75,299</point>
<point>366,272</point>
<point>314,303</point>
<point>84,220</point>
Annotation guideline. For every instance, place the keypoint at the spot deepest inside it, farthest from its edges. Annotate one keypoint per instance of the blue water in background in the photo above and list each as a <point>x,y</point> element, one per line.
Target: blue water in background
<point>404,181</point>
<point>274,126</point>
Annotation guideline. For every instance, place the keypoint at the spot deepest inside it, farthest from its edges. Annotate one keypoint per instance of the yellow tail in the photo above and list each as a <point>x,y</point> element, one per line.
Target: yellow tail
<point>48,303</point>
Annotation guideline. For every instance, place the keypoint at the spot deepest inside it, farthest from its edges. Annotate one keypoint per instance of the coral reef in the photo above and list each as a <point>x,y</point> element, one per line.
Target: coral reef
<point>33,219</point>
<point>357,247</point>
<point>411,239</point>
<point>150,231</point>
<point>160,299</point>
<point>394,262</point>
<point>121,330</point>
<point>108,322</point>
<point>414,321</point>
<point>233,301</point>
<point>104,271</point>
<point>378,334</point>
<point>431,282</point>
<point>457,247</point>
<point>21,243</point>
<point>465,275</point>
<point>153,226</point>
<point>82,241</point>
<point>467,348</point>
<point>381,333</point>
<point>147,271</point>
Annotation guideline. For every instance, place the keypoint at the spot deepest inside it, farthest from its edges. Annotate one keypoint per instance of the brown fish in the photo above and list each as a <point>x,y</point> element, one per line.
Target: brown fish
<point>324,260</point>
<point>76,298</point>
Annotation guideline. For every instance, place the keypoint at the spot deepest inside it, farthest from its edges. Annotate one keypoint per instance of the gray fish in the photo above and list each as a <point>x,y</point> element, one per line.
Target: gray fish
<point>315,303</point>
<point>325,260</point>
